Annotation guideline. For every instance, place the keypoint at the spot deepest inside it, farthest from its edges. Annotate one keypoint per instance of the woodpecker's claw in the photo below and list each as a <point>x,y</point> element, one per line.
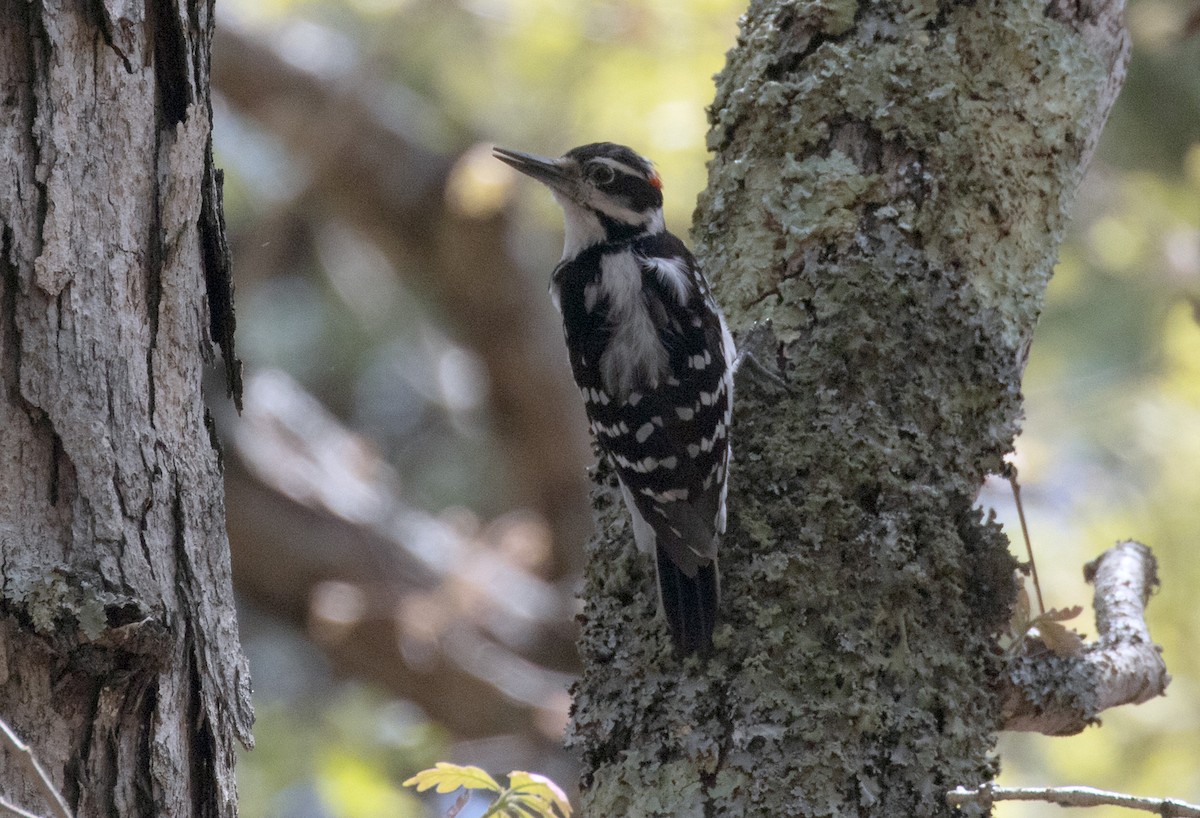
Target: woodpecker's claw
<point>758,338</point>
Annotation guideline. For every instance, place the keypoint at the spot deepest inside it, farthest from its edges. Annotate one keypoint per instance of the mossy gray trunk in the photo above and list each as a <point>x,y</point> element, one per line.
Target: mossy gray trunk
<point>890,187</point>
<point>119,656</point>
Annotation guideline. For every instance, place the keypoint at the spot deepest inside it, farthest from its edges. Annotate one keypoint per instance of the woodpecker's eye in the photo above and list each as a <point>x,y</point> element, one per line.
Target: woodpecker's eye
<point>601,173</point>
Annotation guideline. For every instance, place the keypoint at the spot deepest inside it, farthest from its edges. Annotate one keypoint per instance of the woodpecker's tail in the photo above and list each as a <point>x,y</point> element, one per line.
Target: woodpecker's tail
<point>689,603</point>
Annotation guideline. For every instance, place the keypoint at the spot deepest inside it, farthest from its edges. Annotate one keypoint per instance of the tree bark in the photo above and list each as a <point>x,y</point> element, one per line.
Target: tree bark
<point>119,654</point>
<point>890,186</point>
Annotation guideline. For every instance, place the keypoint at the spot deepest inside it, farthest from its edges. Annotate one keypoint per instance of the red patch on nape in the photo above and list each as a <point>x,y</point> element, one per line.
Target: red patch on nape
<point>655,180</point>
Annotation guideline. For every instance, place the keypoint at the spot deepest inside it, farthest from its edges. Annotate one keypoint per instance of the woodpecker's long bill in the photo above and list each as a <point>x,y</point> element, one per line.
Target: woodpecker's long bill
<point>650,351</point>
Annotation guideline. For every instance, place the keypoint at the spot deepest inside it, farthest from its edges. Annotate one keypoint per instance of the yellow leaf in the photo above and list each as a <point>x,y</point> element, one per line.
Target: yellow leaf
<point>1061,614</point>
<point>1061,641</point>
<point>449,777</point>
<point>1019,623</point>
<point>541,789</point>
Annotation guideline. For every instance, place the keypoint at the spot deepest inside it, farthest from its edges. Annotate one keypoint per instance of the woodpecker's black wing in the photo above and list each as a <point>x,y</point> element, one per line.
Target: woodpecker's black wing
<point>665,430</point>
<point>696,405</point>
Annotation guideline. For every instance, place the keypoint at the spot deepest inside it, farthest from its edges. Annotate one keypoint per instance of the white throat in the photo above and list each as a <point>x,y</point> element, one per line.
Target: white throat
<point>583,228</point>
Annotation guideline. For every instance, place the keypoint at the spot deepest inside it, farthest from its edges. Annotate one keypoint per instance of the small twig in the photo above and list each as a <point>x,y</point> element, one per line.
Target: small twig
<point>458,804</point>
<point>755,340</point>
<point>1071,797</point>
<point>53,797</point>
<point>9,807</point>
<point>1010,473</point>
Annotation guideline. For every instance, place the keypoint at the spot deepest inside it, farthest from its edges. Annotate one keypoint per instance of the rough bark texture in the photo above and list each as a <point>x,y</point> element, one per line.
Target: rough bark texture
<point>119,655</point>
<point>890,187</point>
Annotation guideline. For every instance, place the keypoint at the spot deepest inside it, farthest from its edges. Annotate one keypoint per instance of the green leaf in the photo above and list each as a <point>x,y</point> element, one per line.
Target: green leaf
<point>449,777</point>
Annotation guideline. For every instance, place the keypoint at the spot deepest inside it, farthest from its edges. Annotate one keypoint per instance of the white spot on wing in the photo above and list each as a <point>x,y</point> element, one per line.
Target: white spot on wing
<point>668,496</point>
<point>643,534</point>
<point>644,432</point>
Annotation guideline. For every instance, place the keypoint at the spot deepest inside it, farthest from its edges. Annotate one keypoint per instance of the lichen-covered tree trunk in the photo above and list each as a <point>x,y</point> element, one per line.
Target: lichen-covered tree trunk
<point>119,656</point>
<point>890,185</point>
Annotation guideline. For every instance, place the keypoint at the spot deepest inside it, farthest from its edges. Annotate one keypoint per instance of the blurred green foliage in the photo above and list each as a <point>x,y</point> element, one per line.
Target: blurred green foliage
<point>1111,447</point>
<point>340,756</point>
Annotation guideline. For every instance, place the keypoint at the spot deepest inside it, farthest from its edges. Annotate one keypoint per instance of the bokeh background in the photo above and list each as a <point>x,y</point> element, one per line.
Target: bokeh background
<point>407,485</point>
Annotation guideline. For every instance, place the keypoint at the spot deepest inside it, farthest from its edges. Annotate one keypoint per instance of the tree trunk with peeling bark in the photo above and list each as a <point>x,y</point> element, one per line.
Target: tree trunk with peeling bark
<point>890,186</point>
<point>119,656</point>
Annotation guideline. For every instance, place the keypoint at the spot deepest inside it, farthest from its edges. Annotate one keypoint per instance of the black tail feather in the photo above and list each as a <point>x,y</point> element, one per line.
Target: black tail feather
<point>689,603</point>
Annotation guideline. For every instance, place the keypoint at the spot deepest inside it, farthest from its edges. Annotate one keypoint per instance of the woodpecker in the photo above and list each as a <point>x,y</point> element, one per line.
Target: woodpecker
<point>650,350</point>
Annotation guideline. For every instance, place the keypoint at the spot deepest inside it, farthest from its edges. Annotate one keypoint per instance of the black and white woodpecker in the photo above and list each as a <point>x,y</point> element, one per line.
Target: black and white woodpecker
<point>650,351</point>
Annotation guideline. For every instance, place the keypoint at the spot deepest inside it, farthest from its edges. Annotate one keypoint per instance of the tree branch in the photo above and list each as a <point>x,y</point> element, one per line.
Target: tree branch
<point>1061,695</point>
<point>1071,797</point>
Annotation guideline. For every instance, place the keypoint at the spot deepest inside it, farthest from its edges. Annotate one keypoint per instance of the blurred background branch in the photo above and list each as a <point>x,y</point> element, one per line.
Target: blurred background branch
<point>441,611</point>
<point>440,222</point>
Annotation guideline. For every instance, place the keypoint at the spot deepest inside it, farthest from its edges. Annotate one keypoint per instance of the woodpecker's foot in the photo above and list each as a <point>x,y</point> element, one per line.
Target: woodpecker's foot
<point>758,339</point>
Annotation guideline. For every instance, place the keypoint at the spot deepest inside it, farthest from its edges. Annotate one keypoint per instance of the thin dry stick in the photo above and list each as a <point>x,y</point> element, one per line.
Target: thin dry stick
<point>1072,797</point>
<point>8,807</point>
<point>53,797</point>
<point>1010,472</point>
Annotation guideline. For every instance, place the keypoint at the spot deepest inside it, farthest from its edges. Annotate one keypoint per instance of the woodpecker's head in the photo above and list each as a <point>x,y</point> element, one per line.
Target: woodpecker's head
<point>607,192</point>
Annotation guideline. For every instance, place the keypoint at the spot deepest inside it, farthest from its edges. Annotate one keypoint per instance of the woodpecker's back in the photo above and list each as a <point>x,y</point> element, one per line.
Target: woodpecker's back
<point>651,353</point>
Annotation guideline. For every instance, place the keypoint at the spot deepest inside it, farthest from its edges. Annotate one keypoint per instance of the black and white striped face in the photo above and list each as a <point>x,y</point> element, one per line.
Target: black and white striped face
<point>607,192</point>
